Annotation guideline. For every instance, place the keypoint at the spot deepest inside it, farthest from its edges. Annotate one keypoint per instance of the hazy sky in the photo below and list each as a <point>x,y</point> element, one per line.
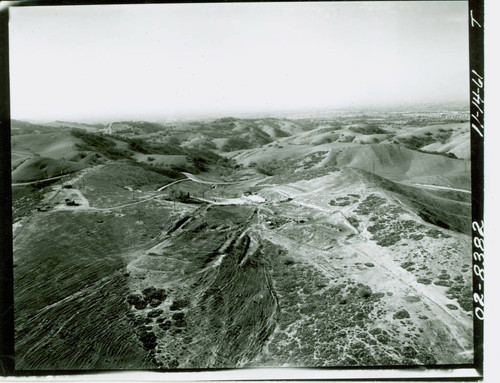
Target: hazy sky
<point>155,61</point>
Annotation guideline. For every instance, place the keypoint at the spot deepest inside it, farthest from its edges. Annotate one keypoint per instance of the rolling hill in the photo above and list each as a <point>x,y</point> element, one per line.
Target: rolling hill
<point>327,242</point>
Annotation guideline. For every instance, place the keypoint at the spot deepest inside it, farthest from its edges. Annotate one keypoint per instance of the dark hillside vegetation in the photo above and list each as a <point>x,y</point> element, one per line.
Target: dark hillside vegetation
<point>71,313</point>
<point>99,143</point>
<point>447,209</point>
<point>311,246</point>
<point>142,127</point>
<point>107,146</point>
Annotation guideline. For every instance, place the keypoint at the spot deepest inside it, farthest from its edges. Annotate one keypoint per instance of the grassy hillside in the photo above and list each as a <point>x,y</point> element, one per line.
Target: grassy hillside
<point>54,145</point>
<point>22,127</point>
<point>37,168</point>
<point>312,242</point>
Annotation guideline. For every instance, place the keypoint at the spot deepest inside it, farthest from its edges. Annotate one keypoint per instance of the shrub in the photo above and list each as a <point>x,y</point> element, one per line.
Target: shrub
<point>155,313</point>
<point>266,169</point>
<point>383,338</point>
<point>139,146</point>
<point>155,302</point>
<point>137,301</point>
<point>416,237</point>
<point>148,340</point>
<point>377,296</point>
<point>165,325</point>
<point>427,359</point>
<point>416,142</point>
<point>401,314</point>
<point>409,352</point>
<point>178,316</point>
<point>465,299</point>
<point>289,261</point>
<point>179,304</point>
<point>365,292</point>
<point>370,129</point>
<point>389,240</point>
<point>99,143</point>
<point>151,293</point>
<point>443,282</point>
<point>236,143</point>
<point>407,265</point>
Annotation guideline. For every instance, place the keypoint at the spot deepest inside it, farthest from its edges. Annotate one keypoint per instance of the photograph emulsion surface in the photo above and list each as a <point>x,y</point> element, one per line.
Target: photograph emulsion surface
<point>200,186</point>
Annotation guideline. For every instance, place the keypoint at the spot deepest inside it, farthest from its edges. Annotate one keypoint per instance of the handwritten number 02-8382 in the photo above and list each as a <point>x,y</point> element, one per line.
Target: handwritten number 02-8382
<point>478,269</point>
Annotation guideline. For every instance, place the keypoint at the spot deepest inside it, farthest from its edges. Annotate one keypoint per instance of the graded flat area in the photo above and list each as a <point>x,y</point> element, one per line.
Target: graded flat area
<point>280,254</point>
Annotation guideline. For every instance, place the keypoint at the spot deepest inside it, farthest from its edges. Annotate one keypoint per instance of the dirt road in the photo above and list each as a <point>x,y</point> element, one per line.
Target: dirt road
<point>38,181</point>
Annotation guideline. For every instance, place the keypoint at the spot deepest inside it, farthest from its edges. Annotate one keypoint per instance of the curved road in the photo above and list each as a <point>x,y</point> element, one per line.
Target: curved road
<point>39,181</point>
<point>434,187</point>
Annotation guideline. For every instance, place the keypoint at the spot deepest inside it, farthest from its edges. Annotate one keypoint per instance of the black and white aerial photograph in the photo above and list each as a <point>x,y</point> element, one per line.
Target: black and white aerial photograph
<point>240,185</point>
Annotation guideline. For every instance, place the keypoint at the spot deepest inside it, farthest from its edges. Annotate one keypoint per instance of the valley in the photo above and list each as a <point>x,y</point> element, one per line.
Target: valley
<point>265,242</point>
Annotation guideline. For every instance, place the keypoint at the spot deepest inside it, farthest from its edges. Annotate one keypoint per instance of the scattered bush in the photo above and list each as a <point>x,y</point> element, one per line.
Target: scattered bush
<point>137,301</point>
<point>165,325</point>
<point>99,143</point>
<point>148,340</point>
<point>353,221</point>
<point>443,282</point>
<point>178,316</point>
<point>377,296</point>
<point>365,292</point>
<point>368,130</point>
<point>288,261</point>
<point>179,304</point>
<point>409,352</point>
<point>369,204</point>
<point>389,240</point>
<point>401,314</point>
<point>427,359</point>
<point>155,313</point>
<point>266,169</point>
<point>407,265</point>
<point>155,302</point>
<point>412,299</point>
<point>416,142</point>
<point>236,143</point>
<point>383,338</point>
<point>152,292</point>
